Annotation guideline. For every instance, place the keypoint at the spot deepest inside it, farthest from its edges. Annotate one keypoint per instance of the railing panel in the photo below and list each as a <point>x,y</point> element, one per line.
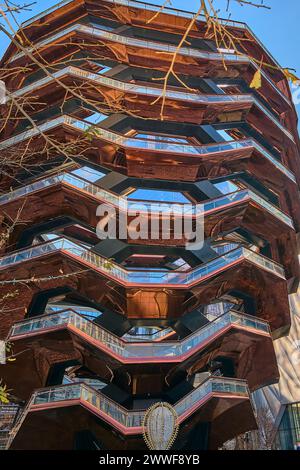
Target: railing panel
<point>139,276</point>
<point>130,418</point>
<point>136,350</point>
<point>145,144</point>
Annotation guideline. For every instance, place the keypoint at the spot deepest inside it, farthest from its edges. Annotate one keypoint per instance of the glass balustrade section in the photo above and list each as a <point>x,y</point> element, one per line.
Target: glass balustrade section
<point>129,418</point>
<point>134,88</point>
<point>130,350</point>
<point>156,92</point>
<point>142,277</point>
<point>139,5</point>
<point>141,334</point>
<point>145,144</point>
<point>123,203</point>
<point>185,51</point>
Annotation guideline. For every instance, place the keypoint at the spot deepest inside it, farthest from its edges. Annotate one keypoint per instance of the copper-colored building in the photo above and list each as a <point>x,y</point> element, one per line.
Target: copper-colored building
<point>102,329</point>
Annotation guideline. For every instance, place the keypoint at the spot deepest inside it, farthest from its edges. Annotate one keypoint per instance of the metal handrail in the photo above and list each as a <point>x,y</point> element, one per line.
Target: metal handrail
<point>135,143</point>
<point>140,350</point>
<point>142,277</point>
<point>134,88</point>
<point>201,98</point>
<point>153,91</point>
<point>122,416</point>
<point>186,51</point>
<point>167,9</point>
<point>124,204</point>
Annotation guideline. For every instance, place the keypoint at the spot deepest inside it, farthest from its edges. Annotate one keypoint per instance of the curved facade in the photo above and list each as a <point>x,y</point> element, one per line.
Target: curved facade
<point>104,328</point>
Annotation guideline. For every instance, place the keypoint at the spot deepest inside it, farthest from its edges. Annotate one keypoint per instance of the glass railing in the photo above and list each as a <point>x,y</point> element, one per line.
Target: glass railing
<point>94,383</point>
<point>185,51</point>
<point>228,22</point>
<point>129,419</point>
<point>157,8</point>
<point>275,120</point>
<point>243,196</point>
<point>140,277</point>
<point>131,41</point>
<point>87,312</point>
<point>122,203</point>
<point>146,144</point>
<point>156,335</point>
<point>270,207</point>
<point>130,350</point>
<point>134,88</point>
<point>144,6</point>
<point>154,91</point>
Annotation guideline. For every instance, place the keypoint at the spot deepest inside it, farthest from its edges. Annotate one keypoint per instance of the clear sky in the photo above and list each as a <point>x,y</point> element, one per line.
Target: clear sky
<point>277,28</point>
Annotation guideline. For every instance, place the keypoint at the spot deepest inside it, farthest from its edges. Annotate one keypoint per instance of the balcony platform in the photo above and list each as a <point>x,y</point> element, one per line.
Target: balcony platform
<point>58,412</point>
<point>69,195</point>
<point>135,293</point>
<point>245,339</point>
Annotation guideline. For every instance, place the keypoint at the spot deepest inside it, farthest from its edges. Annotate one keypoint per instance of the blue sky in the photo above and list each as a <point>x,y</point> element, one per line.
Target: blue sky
<point>277,28</point>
